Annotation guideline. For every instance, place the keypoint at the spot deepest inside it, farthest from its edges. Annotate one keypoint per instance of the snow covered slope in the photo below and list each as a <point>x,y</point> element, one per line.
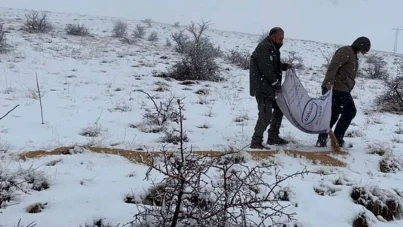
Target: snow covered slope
<point>331,21</point>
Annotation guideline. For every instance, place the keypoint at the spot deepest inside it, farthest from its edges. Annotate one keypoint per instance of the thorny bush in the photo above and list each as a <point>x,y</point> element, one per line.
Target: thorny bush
<point>213,191</point>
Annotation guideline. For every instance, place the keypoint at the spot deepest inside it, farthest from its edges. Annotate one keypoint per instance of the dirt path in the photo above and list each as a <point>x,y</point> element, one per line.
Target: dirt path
<point>321,157</point>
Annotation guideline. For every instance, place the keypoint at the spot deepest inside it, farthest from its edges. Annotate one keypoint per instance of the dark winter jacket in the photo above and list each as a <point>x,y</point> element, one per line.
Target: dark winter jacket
<point>265,69</point>
<point>342,70</point>
<point>343,67</point>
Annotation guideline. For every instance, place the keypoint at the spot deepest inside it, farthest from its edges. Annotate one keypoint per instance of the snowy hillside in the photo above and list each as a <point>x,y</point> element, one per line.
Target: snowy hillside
<point>89,88</point>
<point>332,21</point>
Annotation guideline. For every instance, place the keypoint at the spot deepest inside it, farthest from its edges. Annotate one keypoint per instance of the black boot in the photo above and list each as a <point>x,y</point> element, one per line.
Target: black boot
<point>258,145</point>
<point>321,143</point>
<point>322,140</point>
<point>276,140</point>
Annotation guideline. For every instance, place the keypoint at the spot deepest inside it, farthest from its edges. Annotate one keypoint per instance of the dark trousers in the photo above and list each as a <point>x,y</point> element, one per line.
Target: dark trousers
<point>276,120</point>
<point>343,112</point>
<point>269,114</point>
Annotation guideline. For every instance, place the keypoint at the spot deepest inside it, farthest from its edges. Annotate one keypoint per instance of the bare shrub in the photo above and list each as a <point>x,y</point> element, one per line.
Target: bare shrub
<point>176,25</point>
<point>397,139</point>
<point>131,198</point>
<point>156,119</point>
<point>354,133</point>
<point>139,32</point>
<point>129,40</point>
<point>14,183</point>
<point>203,91</point>
<point>391,100</point>
<point>204,126</point>
<point>391,164</point>
<point>239,58</point>
<point>284,194</point>
<point>77,30</point>
<point>294,59</point>
<point>148,22</point>
<point>399,130</point>
<point>212,191</point>
<point>162,87</point>
<point>131,174</point>
<point>326,189</point>
<point>198,55</point>
<point>361,221</point>
<point>100,222</point>
<point>37,23</point>
<point>379,149</point>
<point>121,106</point>
<point>162,112</point>
<point>173,136</point>
<point>381,202</point>
<point>375,67</point>
<point>54,162</point>
<point>36,208</point>
<point>120,29</point>
<point>148,127</point>
<point>153,37</point>
<point>2,34</point>
<point>3,39</point>
<point>343,181</point>
<point>241,118</point>
<point>92,130</point>
<point>31,224</point>
<point>168,43</point>
<point>37,180</point>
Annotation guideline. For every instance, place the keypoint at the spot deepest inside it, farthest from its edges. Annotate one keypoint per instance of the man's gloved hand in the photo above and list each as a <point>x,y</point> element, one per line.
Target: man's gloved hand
<point>276,86</point>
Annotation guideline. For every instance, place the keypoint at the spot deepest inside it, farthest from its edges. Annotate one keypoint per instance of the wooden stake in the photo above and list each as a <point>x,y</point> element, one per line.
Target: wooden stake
<point>40,96</point>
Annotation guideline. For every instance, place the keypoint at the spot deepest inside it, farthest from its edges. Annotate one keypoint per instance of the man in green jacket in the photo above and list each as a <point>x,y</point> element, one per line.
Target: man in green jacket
<point>340,77</point>
<point>265,75</point>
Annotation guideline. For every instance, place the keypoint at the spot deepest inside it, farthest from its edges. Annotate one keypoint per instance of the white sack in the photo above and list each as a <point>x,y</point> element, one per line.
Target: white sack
<point>310,115</point>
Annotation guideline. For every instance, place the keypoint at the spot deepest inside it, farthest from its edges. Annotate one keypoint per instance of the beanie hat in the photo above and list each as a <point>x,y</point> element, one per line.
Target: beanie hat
<point>361,44</point>
<point>275,30</point>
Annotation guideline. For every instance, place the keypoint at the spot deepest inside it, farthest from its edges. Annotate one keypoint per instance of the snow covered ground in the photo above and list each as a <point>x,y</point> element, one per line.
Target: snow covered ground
<point>89,83</point>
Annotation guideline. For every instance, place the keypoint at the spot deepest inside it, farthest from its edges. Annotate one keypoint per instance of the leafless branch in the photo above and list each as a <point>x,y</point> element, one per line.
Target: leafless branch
<point>18,187</point>
<point>32,224</point>
<point>391,99</point>
<point>162,112</point>
<point>396,88</point>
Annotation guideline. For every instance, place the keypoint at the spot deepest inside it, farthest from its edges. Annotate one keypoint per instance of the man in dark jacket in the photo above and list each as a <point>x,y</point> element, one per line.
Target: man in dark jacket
<point>340,77</point>
<point>265,75</point>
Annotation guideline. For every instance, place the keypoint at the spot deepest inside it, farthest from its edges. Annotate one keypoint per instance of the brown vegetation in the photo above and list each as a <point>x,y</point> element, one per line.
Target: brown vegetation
<point>320,157</point>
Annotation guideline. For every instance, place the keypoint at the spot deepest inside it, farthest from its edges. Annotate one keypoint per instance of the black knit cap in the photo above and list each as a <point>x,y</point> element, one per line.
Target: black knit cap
<point>361,44</point>
<point>275,30</point>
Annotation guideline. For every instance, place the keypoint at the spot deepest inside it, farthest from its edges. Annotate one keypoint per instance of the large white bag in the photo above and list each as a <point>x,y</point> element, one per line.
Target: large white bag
<point>310,115</point>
